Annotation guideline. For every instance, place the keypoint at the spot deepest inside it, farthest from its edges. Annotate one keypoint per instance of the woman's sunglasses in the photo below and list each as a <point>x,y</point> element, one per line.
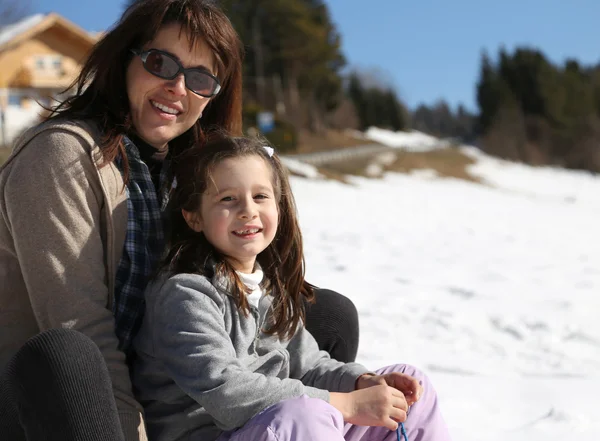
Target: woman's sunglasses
<point>166,66</point>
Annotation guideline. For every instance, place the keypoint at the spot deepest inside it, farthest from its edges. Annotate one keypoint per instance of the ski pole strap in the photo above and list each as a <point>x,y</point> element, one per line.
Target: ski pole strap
<point>401,430</point>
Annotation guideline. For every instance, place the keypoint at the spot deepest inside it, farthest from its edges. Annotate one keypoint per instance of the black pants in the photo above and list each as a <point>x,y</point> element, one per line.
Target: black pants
<point>57,387</point>
<point>333,321</point>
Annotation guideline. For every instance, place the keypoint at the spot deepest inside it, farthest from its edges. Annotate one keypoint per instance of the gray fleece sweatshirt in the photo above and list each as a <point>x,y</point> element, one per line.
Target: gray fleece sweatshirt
<point>203,367</point>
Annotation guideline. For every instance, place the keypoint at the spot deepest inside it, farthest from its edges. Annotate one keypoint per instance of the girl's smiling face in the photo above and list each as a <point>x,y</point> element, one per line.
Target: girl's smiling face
<point>238,213</point>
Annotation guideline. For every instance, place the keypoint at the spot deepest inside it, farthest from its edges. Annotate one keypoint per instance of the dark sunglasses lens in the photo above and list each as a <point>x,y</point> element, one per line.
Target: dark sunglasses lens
<point>161,65</point>
<point>200,82</point>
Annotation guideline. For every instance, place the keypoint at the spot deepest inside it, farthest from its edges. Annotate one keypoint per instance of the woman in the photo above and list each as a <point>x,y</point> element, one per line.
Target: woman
<point>81,227</point>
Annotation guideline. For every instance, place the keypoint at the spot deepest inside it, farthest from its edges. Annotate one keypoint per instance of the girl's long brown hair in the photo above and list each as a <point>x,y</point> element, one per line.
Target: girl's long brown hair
<point>101,91</point>
<point>282,261</point>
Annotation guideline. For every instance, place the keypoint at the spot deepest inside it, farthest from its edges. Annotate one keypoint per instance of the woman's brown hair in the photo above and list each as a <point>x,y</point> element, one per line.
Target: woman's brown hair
<point>282,261</point>
<point>101,91</point>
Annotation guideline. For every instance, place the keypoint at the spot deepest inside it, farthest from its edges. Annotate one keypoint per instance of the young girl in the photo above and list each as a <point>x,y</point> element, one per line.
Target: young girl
<point>223,353</point>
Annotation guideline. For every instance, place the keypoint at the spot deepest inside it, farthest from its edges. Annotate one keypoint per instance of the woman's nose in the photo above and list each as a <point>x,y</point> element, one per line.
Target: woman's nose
<point>177,85</point>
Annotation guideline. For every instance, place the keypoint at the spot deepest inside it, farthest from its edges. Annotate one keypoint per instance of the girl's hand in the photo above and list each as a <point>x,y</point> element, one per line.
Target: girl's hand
<point>406,384</point>
<point>379,405</point>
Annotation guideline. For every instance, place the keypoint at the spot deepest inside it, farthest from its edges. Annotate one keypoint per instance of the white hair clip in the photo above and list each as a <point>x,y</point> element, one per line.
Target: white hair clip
<point>269,150</point>
<point>174,184</point>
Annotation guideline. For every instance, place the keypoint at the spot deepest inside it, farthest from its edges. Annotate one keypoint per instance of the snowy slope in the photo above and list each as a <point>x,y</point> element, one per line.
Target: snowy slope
<point>492,289</point>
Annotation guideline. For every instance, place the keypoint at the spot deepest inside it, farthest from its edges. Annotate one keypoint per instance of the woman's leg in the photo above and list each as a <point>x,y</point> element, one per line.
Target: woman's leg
<point>297,419</point>
<point>423,423</point>
<point>333,322</point>
<point>57,388</point>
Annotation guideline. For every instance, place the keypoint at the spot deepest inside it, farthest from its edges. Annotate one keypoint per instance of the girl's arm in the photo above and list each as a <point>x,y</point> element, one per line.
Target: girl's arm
<point>317,369</point>
<point>50,206</point>
<point>378,405</point>
<point>190,338</point>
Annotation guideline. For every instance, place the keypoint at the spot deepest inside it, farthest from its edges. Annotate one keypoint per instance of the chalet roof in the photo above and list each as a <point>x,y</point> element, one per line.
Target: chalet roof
<point>13,30</point>
<point>34,24</point>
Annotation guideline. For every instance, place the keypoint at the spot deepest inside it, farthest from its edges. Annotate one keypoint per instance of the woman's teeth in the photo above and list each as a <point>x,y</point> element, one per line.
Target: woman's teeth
<point>164,108</point>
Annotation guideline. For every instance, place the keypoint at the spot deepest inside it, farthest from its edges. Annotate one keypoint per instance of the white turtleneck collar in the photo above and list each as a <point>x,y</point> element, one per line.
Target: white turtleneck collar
<point>252,281</point>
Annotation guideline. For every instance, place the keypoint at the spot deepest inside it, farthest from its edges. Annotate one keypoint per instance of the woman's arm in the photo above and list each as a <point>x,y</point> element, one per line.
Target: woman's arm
<point>52,203</point>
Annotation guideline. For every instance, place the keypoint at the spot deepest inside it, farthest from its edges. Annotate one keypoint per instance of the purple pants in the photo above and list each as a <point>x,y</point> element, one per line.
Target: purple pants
<point>312,419</point>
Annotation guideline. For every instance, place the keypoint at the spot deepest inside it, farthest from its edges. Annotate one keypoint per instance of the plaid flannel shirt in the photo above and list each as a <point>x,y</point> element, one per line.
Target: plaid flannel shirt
<point>144,243</point>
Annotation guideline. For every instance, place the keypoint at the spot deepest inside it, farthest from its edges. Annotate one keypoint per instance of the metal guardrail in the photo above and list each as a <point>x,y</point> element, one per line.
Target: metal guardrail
<point>345,154</point>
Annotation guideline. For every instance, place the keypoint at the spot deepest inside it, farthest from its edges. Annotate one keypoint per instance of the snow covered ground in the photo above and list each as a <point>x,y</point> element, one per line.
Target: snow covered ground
<point>414,140</point>
<point>17,120</point>
<point>493,290</point>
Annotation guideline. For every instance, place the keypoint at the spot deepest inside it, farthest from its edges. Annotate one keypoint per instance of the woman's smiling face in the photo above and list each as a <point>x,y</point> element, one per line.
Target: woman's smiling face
<point>162,110</point>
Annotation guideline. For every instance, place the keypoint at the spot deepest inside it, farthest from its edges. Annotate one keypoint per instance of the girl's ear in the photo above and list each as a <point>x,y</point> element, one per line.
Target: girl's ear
<point>193,219</point>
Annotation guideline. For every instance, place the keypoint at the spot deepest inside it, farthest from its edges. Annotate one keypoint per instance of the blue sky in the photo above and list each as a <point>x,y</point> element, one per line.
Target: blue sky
<point>428,49</point>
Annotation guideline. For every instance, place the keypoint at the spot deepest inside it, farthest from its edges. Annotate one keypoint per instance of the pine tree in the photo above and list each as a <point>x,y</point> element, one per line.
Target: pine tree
<point>359,99</point>
<point>395,111</point>
<point>537,112</point>
<point>488,97</point>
